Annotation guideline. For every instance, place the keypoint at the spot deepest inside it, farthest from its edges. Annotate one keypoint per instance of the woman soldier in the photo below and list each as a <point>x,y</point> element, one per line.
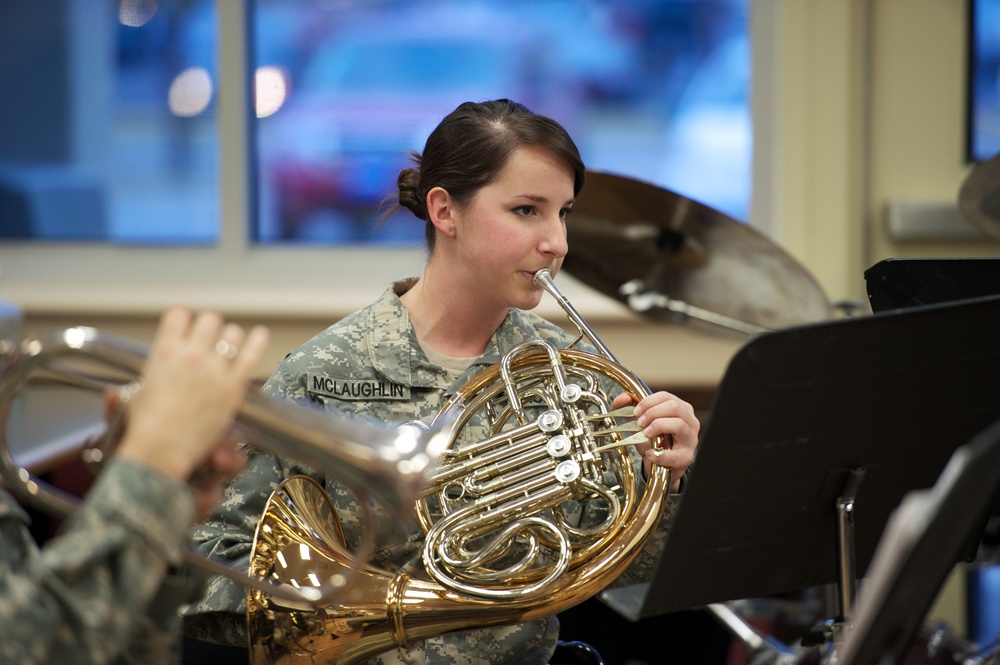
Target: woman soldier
<point>495,184</point>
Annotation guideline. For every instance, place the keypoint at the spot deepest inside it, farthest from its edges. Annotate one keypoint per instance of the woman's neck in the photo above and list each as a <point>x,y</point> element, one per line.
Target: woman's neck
<point>448,318</point>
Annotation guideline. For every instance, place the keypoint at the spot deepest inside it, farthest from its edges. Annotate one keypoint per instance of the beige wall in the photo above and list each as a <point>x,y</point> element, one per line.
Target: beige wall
<point>869,110</point>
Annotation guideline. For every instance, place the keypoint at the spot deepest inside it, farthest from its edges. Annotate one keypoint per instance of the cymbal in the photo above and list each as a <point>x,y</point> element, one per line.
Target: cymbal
<point>675,259</point>
<point>979,196</point>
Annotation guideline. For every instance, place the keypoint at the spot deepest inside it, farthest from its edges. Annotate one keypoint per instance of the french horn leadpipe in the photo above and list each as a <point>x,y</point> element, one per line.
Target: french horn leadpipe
<point>530,437</point>
<point>543,278</point>
<point>386,464</point>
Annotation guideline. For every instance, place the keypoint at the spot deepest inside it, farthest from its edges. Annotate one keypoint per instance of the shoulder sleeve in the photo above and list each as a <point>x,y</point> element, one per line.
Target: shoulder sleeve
<point>335,349</point>
<point>82,595</point>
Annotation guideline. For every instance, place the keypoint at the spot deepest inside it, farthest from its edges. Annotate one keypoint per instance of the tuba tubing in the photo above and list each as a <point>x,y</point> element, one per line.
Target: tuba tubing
<point>466,581</point>
<point>388,465</point>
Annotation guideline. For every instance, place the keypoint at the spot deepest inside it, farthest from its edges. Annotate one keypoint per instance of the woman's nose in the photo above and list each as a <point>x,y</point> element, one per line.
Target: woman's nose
<point>554,242</point>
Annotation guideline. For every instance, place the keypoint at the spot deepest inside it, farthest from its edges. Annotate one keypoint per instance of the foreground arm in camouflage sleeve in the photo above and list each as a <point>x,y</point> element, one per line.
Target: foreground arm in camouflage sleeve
<point>81,598</point>
<point>84,596</point>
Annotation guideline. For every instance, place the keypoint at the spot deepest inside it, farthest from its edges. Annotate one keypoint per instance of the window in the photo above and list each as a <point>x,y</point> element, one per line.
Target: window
<point>984,80</point>
<point>191,180</point>
<point>134,156</point>
<point>654,91</point>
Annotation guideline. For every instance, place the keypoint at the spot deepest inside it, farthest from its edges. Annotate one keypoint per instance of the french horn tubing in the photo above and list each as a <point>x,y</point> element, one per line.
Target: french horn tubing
<point>500,545</point>
<point>388,465</point>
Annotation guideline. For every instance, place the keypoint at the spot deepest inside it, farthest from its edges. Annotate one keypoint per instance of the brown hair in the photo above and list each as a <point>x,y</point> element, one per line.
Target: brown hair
<point>470,147</point>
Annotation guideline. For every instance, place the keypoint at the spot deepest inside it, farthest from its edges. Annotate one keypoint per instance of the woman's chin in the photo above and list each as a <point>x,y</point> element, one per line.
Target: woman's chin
<point>529,302</point>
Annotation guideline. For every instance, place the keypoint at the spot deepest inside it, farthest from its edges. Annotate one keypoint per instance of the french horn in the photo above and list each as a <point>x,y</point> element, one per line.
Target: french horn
<point>386,464</point>
<point>500,546</point>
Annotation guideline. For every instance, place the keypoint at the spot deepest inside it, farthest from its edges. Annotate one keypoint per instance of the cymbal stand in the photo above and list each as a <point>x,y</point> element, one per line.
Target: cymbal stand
<point>642,300</point>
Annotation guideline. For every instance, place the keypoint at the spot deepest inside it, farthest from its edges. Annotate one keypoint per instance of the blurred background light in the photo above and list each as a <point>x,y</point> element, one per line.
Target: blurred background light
<point>136,13</point>
<point>271,89</point>
<point>190,92</point>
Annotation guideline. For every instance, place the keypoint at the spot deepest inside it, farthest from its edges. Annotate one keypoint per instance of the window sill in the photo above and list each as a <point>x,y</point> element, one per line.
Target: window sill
<point>270,283</point>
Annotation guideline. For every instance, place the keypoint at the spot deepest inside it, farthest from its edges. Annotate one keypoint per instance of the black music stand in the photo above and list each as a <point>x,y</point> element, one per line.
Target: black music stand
<point>926,536</point>
<point>899,283</point>
<point>816,434</point>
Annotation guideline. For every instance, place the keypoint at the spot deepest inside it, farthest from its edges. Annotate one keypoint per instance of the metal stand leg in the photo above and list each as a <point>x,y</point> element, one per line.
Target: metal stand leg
<point>764,649</point>
<point>761,649</point>
<point>846,556</point>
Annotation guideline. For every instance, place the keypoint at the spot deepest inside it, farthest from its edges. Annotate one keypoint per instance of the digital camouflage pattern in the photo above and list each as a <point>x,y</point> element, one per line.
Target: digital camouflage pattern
<point>371,366</point>
<point>96,593</point>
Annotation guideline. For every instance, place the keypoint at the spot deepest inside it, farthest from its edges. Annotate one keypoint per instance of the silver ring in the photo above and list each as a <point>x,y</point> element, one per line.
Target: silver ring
<point>225,349</point>
<point>127,391</point>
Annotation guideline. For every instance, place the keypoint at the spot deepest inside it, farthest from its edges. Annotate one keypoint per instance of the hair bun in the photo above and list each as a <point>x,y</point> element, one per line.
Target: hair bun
<point>409,193</point>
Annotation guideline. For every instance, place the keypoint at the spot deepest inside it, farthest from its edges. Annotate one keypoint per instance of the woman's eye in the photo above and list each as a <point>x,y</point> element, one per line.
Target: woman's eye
<point>565,212</point>
<point>524,211</point>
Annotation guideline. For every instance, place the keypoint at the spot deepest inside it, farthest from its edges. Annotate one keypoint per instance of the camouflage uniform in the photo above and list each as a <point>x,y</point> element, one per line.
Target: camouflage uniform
<point>99,588</point>
<point>369,365</point>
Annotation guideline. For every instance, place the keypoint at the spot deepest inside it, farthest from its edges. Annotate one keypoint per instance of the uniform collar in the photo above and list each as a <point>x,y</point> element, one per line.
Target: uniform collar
<point>391,339</point>
<point>396,353</point>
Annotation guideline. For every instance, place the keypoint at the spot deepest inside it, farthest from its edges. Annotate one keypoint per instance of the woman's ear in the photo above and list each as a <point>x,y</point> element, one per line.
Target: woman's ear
<point>441,211</point>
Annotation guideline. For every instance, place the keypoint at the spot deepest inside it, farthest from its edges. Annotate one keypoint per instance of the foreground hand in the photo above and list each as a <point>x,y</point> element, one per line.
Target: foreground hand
<point>665,414</point>
<point>194,380</point>
<point>208,481</point>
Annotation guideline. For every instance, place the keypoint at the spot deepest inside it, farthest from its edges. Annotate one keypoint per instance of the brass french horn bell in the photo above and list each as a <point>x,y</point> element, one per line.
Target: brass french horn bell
<point>386,464</point>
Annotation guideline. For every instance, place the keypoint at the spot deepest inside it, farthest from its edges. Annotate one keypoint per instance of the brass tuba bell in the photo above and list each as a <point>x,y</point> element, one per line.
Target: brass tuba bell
<point>500,546</point>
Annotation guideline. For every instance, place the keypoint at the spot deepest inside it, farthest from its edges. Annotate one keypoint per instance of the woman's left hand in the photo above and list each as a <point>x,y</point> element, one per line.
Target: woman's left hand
<point>666,414</point>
